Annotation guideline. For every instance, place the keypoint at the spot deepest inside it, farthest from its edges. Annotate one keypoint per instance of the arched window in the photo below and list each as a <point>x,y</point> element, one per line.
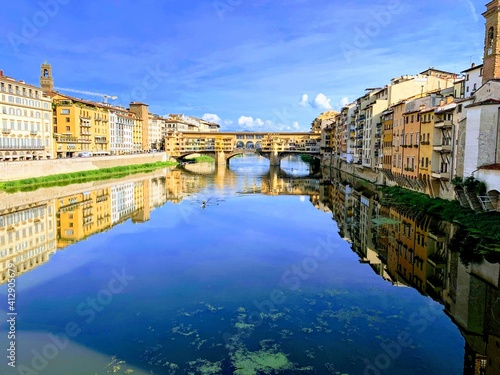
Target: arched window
<point>489,43</point>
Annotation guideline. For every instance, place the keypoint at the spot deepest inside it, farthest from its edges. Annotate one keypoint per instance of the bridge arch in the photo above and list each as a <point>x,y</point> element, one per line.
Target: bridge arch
<point>184,155</point>
<point>241,151</point>
<point>250,145</point>
<point>285,154</point>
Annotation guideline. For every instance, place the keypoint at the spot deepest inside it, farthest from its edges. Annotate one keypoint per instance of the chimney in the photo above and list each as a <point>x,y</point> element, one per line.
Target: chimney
<point>441,102</point>
<point>1,73</point>
<point>473,65</point>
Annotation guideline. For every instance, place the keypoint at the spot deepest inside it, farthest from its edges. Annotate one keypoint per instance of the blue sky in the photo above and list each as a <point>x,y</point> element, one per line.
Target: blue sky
<point>249,64</point>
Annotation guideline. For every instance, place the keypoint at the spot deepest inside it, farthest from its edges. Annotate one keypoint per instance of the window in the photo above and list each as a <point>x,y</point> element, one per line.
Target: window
<point>68,128</point>
<point>64,111</point>
<point>68,119</point>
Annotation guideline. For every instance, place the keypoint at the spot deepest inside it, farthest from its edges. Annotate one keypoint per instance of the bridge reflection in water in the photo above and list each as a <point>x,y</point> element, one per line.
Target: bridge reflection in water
<point>405,250</point>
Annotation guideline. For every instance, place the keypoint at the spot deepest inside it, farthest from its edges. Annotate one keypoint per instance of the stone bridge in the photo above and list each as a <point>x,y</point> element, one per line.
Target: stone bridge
<point>225,145</point>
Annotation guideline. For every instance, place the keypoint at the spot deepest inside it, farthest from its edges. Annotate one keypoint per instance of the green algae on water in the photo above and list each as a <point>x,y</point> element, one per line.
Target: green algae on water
<point>266,361</point>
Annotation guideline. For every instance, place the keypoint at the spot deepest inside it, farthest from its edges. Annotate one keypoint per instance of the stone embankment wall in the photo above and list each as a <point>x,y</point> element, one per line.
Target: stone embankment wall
<point>356,170</point>
<point>17,170</point>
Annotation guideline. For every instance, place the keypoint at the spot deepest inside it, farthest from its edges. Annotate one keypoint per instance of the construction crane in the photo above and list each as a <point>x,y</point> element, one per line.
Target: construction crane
<point>105,96</point>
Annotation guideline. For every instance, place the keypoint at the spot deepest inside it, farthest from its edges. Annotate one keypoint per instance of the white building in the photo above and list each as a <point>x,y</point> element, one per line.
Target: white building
<point>25,120</point>
<point>473,79</point>
<point>122,202</point>
<point>189,124</point>
<point>121,129</point>
<point>156,126</point>
<point>27,237</point>
<point>481,132</point>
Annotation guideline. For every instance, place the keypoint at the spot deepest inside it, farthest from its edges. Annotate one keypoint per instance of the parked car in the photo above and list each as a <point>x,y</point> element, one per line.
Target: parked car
<point>84,154</point>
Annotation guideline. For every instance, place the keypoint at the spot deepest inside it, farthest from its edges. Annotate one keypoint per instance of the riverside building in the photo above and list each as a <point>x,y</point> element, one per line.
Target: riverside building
<point>25,120</point>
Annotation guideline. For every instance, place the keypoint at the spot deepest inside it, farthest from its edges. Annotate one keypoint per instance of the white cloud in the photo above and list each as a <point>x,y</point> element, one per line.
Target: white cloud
<point>296,125</point>
<point>212,117</point>
<point>249,122</point>
<point>304,101</point>
<point>322,102</point>
<point>344,101</point>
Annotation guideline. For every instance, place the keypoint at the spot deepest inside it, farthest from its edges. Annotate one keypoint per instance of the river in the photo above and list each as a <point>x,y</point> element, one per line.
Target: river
<point>238,270</point>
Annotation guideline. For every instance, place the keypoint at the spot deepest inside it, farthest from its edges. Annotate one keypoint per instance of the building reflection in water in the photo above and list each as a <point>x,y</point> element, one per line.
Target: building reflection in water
<point>404,249</point>
<point>419,252</point>
<point>33,227</point>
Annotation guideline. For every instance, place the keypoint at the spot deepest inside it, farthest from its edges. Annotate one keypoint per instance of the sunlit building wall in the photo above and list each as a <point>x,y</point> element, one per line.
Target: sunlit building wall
<point>25,120</point>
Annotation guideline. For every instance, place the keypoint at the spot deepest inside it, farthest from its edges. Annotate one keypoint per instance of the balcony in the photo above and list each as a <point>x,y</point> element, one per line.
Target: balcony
<point>437,236</point>
<point>6,131</point>
<point>440,175</point>
<point>436,261</point>
<point>435,283</point>
<point>101,140</point>
<point>443,124</point>
<point>67,139</point>
<point>442,148</point>
<point>33,132</point>
<point>21,148</point>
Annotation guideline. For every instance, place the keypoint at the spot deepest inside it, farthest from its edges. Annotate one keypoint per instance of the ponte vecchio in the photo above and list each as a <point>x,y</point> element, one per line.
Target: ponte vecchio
<point>225,145</point>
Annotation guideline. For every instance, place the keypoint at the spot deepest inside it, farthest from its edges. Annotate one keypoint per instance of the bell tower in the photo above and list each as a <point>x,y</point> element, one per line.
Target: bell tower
<point>46,79</point>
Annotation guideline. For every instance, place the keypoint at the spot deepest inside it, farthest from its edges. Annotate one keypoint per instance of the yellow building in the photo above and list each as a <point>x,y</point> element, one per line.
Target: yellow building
<point>426,152</point>
<point>387,125</point>
<point>397,138</point>
<point>411,141</point>
<point>141,111</point>
<point>82,215</point>
<point>141,201</point>
<point>80,126</point>
<point>25,118</point>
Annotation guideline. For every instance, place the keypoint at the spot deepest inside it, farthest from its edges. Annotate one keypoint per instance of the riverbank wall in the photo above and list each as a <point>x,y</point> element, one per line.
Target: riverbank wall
<point>434,189</point>
<point>18,170</point>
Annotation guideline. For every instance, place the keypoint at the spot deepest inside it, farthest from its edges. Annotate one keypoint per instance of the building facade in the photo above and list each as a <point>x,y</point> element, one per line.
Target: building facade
<point>25,118</point>
<point>80,126</point>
